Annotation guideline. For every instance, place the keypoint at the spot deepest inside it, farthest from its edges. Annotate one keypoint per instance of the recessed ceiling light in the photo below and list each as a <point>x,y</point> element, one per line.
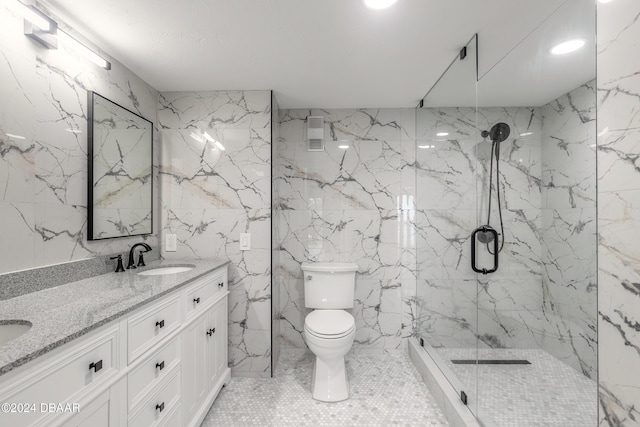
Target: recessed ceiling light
<point>442,133</point>
<point>568,46</point>
<point>379,4</point>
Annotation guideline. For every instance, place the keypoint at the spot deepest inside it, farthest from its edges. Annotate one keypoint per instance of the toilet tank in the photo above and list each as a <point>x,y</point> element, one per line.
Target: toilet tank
<point>329,285</point>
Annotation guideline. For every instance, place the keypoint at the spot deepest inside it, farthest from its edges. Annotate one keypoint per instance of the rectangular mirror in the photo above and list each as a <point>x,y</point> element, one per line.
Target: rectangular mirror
<point>120,171</point>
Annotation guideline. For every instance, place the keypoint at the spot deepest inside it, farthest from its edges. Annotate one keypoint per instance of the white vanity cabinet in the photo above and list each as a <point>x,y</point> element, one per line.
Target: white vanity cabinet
<point>205,344</point>
<point>160,365</point>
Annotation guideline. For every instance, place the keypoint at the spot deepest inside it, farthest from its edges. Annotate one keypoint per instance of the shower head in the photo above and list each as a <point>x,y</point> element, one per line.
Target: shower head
<point>498,133</point>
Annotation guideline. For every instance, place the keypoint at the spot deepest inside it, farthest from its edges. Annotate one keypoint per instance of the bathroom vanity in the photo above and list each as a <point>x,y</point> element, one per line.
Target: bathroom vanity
<point>118,349</point>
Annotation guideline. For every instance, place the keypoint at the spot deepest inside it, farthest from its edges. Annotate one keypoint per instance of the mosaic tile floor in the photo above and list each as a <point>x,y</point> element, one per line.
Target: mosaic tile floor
<point>546,393</point>
<point>386,390</point>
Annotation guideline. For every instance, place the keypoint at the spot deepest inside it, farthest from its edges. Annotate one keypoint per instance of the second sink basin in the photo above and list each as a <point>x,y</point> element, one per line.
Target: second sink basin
<point>12,330</point>
<point>168,269</point>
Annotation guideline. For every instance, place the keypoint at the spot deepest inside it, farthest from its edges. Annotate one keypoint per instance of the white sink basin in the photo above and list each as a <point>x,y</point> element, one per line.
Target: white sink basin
<point>169,269</point>
<point>12,331</point>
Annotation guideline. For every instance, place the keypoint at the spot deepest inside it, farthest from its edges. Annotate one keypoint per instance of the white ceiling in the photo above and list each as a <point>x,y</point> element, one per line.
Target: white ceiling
<point>312,53</point>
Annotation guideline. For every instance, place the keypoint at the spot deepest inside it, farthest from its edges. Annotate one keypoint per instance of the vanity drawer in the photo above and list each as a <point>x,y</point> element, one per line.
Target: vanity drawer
<point>174,419</point>
<point>200,294</point>
<point>151,325</point>
<point>152,371</point>
<point>64,379</point>
<point>160,408</point>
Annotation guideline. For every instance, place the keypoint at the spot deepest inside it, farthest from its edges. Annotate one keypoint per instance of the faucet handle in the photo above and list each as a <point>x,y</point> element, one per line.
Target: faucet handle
<point>120,267</point>
<point>141,259</point>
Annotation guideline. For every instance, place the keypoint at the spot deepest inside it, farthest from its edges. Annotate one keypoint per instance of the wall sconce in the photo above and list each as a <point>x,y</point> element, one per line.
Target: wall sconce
<point>40,27</point>
<point>44,30</point>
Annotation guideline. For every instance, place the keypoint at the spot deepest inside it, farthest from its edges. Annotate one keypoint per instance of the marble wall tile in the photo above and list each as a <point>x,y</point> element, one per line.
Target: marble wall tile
<point>44,175</point>
<point>354,205</point>
<point>215,175</point>
<point>618,204</point>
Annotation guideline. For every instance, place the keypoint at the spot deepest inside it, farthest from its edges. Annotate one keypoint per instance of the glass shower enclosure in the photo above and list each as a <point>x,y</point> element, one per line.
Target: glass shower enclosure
<point>506,227</point>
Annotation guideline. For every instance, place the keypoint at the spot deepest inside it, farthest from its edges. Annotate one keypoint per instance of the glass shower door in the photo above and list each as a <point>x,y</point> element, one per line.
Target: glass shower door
<point>446,214</point>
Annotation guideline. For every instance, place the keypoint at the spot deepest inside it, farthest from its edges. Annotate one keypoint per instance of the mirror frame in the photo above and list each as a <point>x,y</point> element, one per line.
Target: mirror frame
<point>91,235</point>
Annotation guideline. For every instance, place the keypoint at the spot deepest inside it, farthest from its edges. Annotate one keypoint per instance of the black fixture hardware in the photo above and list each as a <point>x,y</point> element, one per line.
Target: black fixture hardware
<point>484,229</point>
<point>463,53</point>
<point>196,300</point>
<point>221,285</point>
<point>96,366</point>
<point>160,324</point>
<point>131,263</point>
<point>141,259</point>
<point>120,267</point>
<point>160,407</point>
<point>421,105</point>
<point>463,397</point>
<point>421,342</point>
<point>160,365</point>
<point>211,331</point>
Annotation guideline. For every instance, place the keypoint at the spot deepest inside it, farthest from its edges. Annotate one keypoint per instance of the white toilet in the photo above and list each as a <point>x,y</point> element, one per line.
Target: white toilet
<point>329,330</point>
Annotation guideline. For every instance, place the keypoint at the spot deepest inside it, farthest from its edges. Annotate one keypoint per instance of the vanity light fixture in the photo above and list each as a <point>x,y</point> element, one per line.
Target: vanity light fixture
<point>379,4</point>
<point>39,27</point>
<point>45,31</point>
<point>568,46</point>
<point>68,40</point>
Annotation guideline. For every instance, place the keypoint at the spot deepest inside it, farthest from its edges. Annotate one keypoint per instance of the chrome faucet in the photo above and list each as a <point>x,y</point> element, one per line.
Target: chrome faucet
<point>131,263</point>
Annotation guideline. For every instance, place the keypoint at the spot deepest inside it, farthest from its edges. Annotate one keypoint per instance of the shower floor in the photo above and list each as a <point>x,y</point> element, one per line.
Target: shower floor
<point>386,390</point>
<point>545,393</point>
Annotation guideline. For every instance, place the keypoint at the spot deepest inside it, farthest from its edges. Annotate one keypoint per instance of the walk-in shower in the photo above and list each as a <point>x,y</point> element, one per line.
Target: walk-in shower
<point>505,229</point>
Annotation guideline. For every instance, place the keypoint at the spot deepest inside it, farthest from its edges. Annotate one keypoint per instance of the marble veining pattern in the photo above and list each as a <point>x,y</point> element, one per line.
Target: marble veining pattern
<point>350,204</point>
<point>618,213</point>
<point>215,175</point>
<point>385,390</point>
<point>43,166</point>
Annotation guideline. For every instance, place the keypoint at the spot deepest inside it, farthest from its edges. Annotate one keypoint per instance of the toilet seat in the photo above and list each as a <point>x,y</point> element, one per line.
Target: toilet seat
<point>329,324</point>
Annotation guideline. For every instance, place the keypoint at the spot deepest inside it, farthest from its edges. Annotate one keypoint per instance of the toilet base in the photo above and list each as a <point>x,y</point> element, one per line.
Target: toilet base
<point>329,381</point>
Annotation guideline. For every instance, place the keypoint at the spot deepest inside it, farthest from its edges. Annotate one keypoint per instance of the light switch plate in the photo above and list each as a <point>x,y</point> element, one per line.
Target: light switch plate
<point>245,241</point>
<point>171,243</point>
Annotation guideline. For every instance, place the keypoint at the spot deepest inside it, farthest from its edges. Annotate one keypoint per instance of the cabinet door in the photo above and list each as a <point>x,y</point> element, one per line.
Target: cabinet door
<point>194,363</point>
<point>218,358</point>
<point>95,414</point>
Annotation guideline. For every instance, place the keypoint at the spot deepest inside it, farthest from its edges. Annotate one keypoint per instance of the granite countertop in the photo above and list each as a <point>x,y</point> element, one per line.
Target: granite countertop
<point>64,313</point>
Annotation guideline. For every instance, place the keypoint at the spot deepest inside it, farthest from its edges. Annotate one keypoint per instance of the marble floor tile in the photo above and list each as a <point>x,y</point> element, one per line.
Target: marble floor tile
<point>385,390</point>
<point>545,393</point>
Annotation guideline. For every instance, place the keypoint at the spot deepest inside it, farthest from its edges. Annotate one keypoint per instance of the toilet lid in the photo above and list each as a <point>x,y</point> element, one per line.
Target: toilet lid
<point>329,322</point>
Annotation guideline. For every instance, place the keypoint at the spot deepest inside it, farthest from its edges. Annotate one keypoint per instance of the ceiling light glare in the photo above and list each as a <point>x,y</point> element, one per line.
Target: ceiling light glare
<point>605,1</point>
<point>526,134</point>
<point>73,130</point>
<point>424,146</point>
<point>379,4</point>
<point>14,136</point>
<point>343,146</point>
<point>219,145</point>
<point>567,47</point>
<point>442,134</point>
<point>196,137</point>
